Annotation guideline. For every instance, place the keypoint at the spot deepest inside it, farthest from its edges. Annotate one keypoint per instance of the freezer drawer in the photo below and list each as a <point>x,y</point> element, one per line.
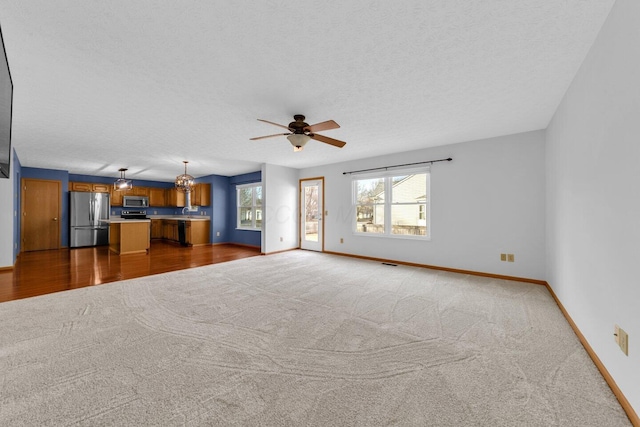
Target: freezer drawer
<point>88,236</point>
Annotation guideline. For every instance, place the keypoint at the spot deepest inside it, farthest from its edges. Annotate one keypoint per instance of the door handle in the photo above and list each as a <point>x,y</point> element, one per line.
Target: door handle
<point>55,219</point>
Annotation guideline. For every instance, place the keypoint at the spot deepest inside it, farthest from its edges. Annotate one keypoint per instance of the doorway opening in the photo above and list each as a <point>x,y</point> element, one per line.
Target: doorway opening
<point>311,214</point>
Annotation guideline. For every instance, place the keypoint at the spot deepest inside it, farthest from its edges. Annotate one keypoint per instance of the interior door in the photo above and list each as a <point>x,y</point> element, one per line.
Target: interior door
<point>40,214</point>
<point>311,210</point>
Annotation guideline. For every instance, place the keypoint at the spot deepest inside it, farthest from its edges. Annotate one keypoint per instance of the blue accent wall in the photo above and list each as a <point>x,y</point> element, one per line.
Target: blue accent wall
<point>218,208</point>
<point>245,237</point>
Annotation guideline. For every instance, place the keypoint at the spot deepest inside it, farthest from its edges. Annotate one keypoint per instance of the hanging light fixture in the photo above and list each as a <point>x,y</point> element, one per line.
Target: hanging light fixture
<point>122,183</point>
<point>185,181</point>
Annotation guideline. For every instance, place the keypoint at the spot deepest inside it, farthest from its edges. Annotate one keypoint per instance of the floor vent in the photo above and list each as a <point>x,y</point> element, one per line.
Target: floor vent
<point>388,263</point>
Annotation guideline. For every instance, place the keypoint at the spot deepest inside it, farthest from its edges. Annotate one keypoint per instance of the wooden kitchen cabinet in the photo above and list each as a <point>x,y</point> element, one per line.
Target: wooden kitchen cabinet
<point>116,197</point>
<point>157,197</point>
<point>89,187</point>
<point>157,229</point>
<point>197,232</point>
<point>170,230</point>
<point>201,195</point>
<point>140,191</point>
<point>101,188</point>
<point>174,198</point>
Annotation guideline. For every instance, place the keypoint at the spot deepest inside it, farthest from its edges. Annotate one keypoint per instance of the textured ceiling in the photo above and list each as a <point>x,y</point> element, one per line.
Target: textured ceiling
<point>100,85</point>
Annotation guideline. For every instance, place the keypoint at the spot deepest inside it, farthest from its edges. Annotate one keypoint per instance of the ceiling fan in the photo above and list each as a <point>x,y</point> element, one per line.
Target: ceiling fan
<point>300,132</point>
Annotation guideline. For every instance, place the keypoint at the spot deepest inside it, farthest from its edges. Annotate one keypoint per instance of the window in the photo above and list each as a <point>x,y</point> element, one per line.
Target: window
<point>393,204</point>
<point>249,201</point>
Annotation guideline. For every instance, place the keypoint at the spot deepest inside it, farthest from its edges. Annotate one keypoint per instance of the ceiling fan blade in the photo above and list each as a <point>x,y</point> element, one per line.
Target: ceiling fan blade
<point>268,136</point>
<point>275,124</point>
<point>318,127</point>
<point>327,140</point>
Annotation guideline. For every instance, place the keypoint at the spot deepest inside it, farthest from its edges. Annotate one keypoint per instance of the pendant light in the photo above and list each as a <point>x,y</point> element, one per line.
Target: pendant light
<point>185,181</point>
<point>122,183</point>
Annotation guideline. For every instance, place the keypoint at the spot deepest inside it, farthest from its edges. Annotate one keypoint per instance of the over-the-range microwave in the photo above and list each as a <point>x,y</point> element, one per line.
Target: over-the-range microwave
<point>135,202</point>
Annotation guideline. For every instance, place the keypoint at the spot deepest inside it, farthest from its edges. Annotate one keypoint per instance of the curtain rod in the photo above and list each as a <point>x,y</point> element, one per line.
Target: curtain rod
<point>397,166</point>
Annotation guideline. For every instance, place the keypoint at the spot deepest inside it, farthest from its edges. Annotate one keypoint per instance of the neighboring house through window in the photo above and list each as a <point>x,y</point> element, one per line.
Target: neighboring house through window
<point>249,203</point>
<point>393,204</point>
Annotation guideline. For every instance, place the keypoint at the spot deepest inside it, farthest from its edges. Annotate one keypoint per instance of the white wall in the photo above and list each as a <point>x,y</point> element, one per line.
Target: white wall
<point>6,221</point>
<point>488,200</point>
<point>593,196</point>
<point>280,187</point>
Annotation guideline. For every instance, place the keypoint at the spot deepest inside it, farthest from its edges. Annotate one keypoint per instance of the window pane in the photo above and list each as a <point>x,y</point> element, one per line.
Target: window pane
<point>245,196</point>
<point>258,195</point>
<point>369,190</point>
<point>245,216</point>
<point>409,188</point>
<point>406,219</point>
<point>370,205</point>
<point>258,218</point>
<point>371,220</point>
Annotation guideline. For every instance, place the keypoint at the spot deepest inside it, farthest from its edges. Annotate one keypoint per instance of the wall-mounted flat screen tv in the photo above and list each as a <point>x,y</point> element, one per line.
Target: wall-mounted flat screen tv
<point>6,102</point>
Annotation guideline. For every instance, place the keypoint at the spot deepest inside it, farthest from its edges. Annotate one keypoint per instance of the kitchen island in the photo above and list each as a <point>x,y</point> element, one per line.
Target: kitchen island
<point>129,236</point>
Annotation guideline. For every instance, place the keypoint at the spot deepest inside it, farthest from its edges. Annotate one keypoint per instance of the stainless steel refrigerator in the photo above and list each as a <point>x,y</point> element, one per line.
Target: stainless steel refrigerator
<point>86,212</point>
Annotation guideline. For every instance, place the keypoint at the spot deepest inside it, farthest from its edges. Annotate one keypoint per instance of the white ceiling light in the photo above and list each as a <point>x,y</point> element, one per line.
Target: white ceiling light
<point>122,183</point>
<point>185,181</point>
<point>298,140</point>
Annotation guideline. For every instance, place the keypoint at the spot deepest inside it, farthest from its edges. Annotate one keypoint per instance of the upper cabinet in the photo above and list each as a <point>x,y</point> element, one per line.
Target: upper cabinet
<point>89,187</point>
<point>174,198</point>
<point>139,191</point>
<point>116,197</point>
<point>157,197</point>
<point>201,195</point>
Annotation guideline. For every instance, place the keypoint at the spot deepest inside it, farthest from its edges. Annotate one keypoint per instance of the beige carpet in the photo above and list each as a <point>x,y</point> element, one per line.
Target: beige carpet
<point>294,339</point>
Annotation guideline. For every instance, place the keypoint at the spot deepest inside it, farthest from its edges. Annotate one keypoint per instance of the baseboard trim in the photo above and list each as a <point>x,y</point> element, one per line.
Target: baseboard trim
<point>236,244</point>
<point>279,252</point>
<point>8,268</point>
<point>452,270</point>
<point>633,417</point>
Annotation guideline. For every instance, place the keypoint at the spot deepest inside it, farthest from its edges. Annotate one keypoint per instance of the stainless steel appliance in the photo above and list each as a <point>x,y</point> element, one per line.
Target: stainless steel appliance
<point>86,212</point>
<point>135,202</point>
<point>133,214</point>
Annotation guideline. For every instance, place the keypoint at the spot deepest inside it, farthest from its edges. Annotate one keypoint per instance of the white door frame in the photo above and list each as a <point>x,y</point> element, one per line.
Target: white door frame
<point>304,243</point>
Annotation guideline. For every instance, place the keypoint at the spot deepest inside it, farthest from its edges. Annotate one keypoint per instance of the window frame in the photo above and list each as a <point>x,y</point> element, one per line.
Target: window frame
<point>388,203</point>
<point>254,207</point>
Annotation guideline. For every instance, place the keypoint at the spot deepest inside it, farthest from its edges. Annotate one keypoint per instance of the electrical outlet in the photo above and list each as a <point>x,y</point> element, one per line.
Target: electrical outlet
<point>510,258</point>
<point>503,257</point>
<point>622,339</point>
<point>341,240</point>
<point>217,234</point>
<point>281,239</point>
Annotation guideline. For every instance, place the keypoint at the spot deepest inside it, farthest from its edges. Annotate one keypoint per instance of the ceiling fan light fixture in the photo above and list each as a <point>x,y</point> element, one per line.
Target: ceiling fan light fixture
<point>122,183</point>
<point>185,181</point>
<point>298,140</point>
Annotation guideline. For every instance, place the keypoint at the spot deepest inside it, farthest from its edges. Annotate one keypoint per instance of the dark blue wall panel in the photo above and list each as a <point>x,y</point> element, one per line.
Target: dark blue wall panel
<point>245,237</point>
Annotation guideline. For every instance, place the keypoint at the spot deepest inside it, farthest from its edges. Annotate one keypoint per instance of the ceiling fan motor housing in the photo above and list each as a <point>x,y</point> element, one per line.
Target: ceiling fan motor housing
<point>299,124</point>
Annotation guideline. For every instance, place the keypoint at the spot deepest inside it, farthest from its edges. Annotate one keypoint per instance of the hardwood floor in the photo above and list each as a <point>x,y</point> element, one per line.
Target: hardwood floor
<point>44,272</point>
